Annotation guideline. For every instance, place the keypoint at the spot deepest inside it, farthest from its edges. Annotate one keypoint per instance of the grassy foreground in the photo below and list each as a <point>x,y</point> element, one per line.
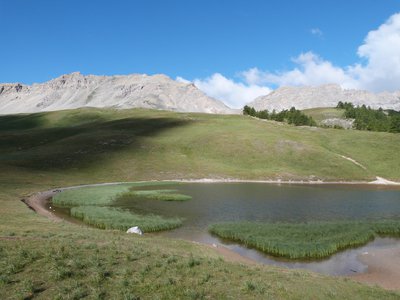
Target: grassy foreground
<point>305,240</point>
<point>47,260</point>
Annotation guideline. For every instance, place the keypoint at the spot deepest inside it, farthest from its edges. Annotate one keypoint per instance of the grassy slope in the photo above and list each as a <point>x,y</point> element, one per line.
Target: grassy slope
<point>139,144</point>
<point>323,113</point>
<point>42,151</point>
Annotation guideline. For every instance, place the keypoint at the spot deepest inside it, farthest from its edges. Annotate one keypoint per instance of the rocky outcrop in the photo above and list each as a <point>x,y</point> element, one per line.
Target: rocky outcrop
<point>323,96</point>
<point>125,91</point>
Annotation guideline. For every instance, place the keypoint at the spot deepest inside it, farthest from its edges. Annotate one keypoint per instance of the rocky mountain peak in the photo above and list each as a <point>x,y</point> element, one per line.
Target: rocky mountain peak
<point>76,90</point>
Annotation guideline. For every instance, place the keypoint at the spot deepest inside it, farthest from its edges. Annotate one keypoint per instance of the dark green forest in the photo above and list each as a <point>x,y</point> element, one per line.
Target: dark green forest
<point>366,118</point>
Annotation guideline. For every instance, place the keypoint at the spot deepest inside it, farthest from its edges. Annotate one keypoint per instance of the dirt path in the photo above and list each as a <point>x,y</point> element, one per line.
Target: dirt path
<point>353,161</point>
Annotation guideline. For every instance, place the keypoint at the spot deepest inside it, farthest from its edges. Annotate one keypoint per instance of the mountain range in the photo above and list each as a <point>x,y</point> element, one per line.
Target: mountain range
<point>161,92</point>
<point>123,91</point>
<point>324,96</point>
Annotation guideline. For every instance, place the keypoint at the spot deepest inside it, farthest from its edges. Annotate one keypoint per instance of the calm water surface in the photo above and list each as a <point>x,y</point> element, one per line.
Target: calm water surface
<point>219,202</point>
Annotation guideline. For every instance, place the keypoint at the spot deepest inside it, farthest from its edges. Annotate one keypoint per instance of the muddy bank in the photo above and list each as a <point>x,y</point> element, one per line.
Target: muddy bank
<point>38,201</point>
<point>383,268</point>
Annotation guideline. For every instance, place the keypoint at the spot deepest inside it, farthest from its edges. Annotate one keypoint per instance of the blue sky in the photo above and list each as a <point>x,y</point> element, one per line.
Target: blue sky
<point>194,40</point>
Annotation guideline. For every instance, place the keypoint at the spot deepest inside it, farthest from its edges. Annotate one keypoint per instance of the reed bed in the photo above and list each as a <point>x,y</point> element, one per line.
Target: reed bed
<point>305,240</point>
<point>85,196</point>
<point>114,218</point>
<point>163,195</point>
<point>97,195</point>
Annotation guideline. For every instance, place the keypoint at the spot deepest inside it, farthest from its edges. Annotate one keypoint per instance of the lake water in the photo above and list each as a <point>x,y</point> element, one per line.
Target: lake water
<point>219,202</point>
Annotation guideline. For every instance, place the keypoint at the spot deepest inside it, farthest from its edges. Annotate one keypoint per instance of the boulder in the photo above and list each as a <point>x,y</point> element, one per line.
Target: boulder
<point>135,229</point>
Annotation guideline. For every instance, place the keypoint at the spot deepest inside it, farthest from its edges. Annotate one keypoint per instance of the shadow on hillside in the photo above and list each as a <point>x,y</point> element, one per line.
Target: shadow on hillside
<point>21,122</point>
<point>66,147</point>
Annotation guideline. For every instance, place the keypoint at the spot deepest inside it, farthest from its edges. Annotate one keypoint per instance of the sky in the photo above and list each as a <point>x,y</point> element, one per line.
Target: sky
<point>232,50</point>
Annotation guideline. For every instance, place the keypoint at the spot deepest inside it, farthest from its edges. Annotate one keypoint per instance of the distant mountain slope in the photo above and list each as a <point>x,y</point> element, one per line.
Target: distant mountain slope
<point>323,96</point>
<point>125,91</point>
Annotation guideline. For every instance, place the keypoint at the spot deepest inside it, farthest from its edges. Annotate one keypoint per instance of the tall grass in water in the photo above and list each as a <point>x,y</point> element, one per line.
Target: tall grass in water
<point>94,195</point>
<point>163,195</point>
<point>113,218</point>
<point>305,240</point>
<point>97,195</point>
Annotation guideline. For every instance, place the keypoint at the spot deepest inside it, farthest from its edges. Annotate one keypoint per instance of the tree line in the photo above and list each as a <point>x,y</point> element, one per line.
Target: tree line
<point>291,116</point>
<point>366,118</point>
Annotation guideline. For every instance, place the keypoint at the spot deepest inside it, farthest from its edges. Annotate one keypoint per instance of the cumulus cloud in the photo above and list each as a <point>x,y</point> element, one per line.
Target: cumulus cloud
<point>310,70</point>
<point>377,70</point>
<point>381,51</point>
<point>234,94</point>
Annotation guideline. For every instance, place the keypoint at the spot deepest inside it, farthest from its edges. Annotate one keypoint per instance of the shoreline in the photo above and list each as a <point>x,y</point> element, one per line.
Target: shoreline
<point>382,267</point>
<point>380,181</point>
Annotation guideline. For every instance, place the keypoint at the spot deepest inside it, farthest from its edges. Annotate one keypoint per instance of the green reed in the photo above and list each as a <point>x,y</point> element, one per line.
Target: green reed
<point>305,240</point>
<point>114,218</point>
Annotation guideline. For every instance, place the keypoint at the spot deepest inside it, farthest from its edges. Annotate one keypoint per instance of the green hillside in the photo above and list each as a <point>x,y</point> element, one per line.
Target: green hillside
<point>323,113</point>
<point>87,145</point>
<point>43,259</point>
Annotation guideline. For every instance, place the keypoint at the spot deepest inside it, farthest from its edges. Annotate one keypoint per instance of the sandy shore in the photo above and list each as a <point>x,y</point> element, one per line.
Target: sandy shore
<point>383,265</point>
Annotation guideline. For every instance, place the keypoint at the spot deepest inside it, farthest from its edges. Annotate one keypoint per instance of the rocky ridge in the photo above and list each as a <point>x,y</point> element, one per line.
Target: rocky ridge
<point>123,91</point>
<point>324,96</point>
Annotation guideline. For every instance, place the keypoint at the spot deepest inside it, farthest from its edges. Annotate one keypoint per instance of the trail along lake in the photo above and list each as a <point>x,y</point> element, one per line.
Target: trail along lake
<point>219,202</point>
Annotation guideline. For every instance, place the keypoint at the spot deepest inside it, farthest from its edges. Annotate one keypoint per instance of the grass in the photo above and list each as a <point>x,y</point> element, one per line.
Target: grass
<point>305,240</point>
<point>89,204</point>
<point>58,260</point>
<point>163,195</point>
<point>114,265</point>
<point>323,113</point>
<point>94,145</point>
<point>97,195</point>
<point>113,218</point>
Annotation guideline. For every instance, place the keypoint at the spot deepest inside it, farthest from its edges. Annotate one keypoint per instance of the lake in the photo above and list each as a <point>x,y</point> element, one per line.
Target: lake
<point>219,202</point>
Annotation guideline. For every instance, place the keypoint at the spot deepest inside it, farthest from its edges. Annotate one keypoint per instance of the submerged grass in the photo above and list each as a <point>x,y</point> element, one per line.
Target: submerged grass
<point>305,240</point>
<point>97,195</point>
<point>163,195</point>
<point>113,218</point>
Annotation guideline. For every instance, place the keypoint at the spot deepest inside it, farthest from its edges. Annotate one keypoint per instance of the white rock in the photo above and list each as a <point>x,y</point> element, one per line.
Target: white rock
<point>135,229</point>
<point>323,96</point>
<point>123,91</point>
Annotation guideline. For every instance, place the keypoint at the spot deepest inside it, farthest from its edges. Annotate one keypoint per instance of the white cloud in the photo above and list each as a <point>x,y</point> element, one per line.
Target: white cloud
<point>378,70</point>
<point>181,79</point>
<point>316,31</point>
<point>381,51</point>
<point>233,94</point>
<point>310,70</point>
